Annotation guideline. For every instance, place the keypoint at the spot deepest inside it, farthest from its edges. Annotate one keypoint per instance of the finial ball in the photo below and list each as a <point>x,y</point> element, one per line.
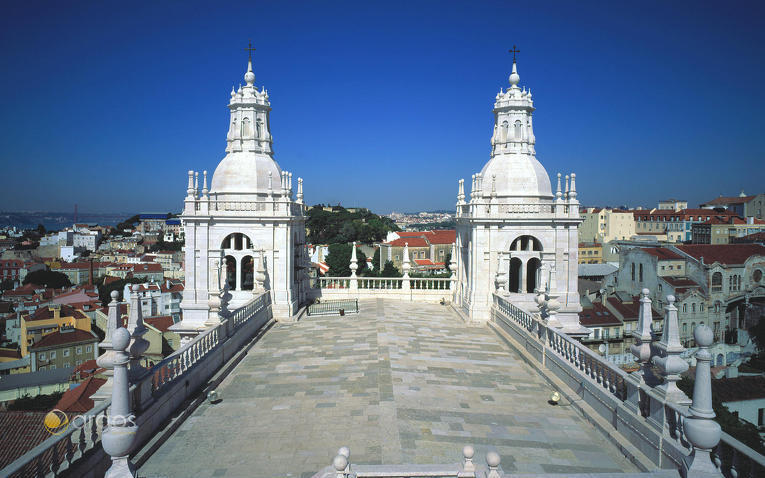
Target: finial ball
<point>703,335</point>
<point>340,462</point>
<point>671,299</point>
<point>646,292</point>
<point>514,78</point>
<point>115,295</point>
<point>492,459</point>
<point>345,451</point>
<point>468,451</point>
<point>249,78</point>
<point>121,339</point>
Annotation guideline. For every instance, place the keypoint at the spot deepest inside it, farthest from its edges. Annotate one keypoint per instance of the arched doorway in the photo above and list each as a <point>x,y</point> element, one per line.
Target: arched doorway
<point>247,272</point>
<point>231,272</point>
<point>532,274</point>
<point>514,284</point>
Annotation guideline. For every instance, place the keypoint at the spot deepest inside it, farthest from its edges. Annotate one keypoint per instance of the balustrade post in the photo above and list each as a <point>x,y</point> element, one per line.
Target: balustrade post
<point>669,362</point>
<point>354,285</point>
<point>112,322</point>
<point>405,266</point>
<point>702,431</point>
<point>137,329</point>
<point>119,437</point>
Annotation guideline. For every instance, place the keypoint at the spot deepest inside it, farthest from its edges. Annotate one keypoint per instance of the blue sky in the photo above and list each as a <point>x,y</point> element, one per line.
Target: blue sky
<point>378,104</point>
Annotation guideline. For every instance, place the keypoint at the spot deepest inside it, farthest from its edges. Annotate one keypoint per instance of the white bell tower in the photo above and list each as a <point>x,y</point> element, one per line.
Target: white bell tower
<point>514,237</point>
<point>248,229</point>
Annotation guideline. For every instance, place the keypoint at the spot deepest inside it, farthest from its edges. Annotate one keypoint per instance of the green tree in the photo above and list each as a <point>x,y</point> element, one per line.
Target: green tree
<point>390,270</point>
<point>743,431</point>
<point>105,291</point>
<point>47,278</point>
<point>339,260</point>
<point>757,332</point>
<point>41,229</point>
<point>447,260</point>
<point>376,266</point>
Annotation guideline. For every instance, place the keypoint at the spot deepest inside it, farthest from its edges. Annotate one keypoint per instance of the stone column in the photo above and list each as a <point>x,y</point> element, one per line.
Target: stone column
<point>405,266</point>
<point>669,362</point>
<point>238,270</point>
<point>137,329</point>
<point>260,273</point>
<point>107,358</point>
<point>702,431</point>
<point>522,275</point>
<point>354,267</point>
<point>119,437</point>
<point>641,349</point>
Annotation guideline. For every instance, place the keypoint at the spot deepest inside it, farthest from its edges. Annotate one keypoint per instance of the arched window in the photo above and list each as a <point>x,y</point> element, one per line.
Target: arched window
<point>259,129</point>
<point>247,273</point>
<point>685,307</point>
<point>517,130</point>
<point>693,307</point>
<point>717,307</point>
<point>231,272</point>
<point>236,241</point>
<point>504,132</point>
<point>526,243</point>
<point>641,273</point>
<point>515,275</point>
<point>633,271</point>
<point>532,273</point>
<point>246,130</point>
<point>717,281</point>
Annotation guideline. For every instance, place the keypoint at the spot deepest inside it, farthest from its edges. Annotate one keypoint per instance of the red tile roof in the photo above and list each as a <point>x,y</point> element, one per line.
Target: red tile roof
<point>679,281</point>
<point>27,432</point>
<point>55,339</point>
<point>723,253</point>
<point>412,241</point>
<point>663,253</point>
<point>630,311</point>
<point>10,353</point>
<point>739,388</point>
<point>45,312</point>
<point>77,399</point>
<point>725,200</point>
<point>446,236</point>
<point>597,316</point>
<point>161,323</point>
<point>756,237</point>
<point>717,219</point>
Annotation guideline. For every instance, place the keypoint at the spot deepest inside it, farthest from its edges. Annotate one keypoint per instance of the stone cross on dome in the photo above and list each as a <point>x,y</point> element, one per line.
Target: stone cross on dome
<point>513,51</point>
<point>249,77</point>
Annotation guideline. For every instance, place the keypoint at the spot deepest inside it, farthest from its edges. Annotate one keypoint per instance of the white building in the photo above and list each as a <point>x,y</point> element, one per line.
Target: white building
<point>248,219</point>
<point>513,235</point>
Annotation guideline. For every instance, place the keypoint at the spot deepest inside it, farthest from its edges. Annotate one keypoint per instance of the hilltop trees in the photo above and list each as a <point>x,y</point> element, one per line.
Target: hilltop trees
<point>342,226</point>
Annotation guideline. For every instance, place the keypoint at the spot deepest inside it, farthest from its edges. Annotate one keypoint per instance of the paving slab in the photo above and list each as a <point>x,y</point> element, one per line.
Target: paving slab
<point>398,383</point>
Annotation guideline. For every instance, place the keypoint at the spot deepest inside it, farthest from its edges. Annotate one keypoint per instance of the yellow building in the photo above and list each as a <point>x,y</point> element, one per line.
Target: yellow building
<point>606,225</point>
<point>590,253</point>
<point>49,319</point>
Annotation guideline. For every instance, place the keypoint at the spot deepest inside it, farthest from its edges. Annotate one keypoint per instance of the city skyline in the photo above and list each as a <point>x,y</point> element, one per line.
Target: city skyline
<point>384,108</point>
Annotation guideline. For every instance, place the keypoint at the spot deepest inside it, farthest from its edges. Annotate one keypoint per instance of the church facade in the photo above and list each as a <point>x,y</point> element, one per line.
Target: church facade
<point>249,223</point>
<point>514,235</point>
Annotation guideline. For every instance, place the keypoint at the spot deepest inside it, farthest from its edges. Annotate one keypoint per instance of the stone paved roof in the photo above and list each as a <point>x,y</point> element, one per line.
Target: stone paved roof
<point>400,382</point>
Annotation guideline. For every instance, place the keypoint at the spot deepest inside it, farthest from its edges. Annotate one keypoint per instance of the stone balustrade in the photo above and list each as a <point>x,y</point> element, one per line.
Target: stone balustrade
<point>154,397</point>
<point>402,288</point>
<point>276,206</point>
<point>468,467</point>
<point>640,416</point>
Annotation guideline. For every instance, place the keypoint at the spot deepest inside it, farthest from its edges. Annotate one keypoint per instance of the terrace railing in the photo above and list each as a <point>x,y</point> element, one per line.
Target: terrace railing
<point>155,396</point>
<point>428,289</point>
<point>626,405</point>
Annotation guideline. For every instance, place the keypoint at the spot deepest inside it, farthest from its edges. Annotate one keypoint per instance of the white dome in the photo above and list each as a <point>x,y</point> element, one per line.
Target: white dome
<point>518,175</point>
<point>246,173</point>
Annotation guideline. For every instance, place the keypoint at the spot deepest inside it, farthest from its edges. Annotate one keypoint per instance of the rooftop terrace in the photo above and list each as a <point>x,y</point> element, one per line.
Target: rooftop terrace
<point>397,383</point>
